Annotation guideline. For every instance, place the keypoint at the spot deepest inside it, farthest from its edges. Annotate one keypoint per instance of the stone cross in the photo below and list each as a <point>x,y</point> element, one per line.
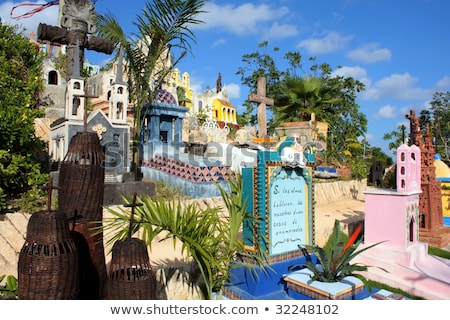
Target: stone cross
<point>77,20</point>
<point>263,101</point>
<point>414,128</point>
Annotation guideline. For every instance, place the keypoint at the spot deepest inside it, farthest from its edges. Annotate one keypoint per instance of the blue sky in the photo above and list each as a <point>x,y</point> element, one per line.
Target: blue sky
<point>399,49</point>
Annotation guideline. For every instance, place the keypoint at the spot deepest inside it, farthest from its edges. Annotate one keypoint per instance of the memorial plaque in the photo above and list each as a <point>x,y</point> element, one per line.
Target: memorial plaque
<point>288,211</point>
<point>280,205</point>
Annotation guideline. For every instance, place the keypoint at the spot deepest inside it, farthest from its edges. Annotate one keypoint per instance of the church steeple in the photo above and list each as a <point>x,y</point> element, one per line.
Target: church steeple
<point>75,95</point>
<point>118,105</point>
<point>119,74</point>
<point>219,83</point>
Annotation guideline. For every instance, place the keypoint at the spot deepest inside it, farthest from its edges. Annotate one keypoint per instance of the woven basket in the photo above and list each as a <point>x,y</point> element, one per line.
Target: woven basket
<point>80,195</point>
<point>130,275</point>
<point>82,178</point>
<point>48,260</point>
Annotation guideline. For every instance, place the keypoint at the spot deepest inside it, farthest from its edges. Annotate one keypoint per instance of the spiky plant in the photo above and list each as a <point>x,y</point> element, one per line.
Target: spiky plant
<point>334,259</point>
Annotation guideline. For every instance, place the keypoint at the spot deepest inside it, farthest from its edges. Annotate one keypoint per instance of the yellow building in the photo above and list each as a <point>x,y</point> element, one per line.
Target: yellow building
<point>443,175</point>
<point>223,110</point>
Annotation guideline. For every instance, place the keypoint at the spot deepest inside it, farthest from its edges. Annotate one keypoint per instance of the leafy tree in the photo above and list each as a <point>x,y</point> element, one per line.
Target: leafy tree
<point>376,154</point>
<point>440,124</point>
<point>298,93</point>
<point>396,138</point>
<point>20,88</point>
<point>300,97</point>
<point>163,27</point>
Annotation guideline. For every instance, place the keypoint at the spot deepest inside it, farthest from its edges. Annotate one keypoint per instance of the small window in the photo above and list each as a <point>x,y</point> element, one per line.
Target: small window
<point>53,77</point>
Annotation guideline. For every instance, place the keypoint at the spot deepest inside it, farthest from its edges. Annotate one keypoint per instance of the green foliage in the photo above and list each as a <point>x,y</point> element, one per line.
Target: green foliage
<point>20,88</point>
<point>209,238</point>
<point>3,200</point>
<point>359,167</point>
<point>298,92</point>
<point>334,259</point>
<point>300,97</point>
<point>9,289</point>
<point>439,122</point>
<point>396,138</point>
<point>439,252</point>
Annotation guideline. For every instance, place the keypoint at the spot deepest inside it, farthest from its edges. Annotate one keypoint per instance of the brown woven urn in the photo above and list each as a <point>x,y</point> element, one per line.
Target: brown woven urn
<point>130,275</point>
<point>80,196</point>
<point>48,260</point>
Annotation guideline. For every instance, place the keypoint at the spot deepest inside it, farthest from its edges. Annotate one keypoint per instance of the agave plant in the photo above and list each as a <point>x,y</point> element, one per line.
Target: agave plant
<point>334,259</point>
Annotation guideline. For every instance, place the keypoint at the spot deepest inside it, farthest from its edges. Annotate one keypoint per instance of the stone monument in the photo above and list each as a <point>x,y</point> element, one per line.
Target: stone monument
<point>432,229</point>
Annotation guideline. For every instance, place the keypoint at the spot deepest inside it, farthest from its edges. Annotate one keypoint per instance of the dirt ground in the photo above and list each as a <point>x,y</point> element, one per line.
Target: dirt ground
<point>349,212</point>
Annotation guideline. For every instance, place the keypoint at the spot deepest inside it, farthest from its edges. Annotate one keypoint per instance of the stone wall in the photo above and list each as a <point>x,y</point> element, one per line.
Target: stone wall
<point>326,192</point>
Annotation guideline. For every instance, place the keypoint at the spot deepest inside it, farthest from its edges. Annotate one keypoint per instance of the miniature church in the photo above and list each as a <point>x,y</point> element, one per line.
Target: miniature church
<point>393,220</point>
<point>111,128</point>
<point>394,215</point>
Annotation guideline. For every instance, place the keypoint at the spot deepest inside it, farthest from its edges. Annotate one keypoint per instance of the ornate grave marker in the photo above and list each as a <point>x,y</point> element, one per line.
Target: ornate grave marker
<point>280,199</point>
<point>432,229</point>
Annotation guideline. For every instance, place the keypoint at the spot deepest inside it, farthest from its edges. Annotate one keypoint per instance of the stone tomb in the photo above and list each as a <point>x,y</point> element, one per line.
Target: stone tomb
<point>280,204</point>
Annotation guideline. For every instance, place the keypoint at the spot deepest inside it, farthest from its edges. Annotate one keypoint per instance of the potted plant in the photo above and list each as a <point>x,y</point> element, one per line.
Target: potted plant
<point>331,273</point>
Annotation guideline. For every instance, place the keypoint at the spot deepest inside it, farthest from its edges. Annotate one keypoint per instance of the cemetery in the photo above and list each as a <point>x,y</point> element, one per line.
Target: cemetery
<point>103,239</point>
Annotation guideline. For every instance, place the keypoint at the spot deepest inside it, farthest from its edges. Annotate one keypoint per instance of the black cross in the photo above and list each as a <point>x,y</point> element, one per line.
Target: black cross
<point>133,205</point>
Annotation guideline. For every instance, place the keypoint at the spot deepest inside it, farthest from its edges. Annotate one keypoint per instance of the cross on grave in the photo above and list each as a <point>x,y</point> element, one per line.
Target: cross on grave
<point>86,96</point>
<point>133,205</point>
<point>77,20</point>
<point>263,101</point>
<point>50,187</point>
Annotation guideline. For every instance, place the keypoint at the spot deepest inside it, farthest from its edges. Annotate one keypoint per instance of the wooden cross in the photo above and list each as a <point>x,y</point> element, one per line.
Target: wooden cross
<point>263,101</point>
<point>50,187</point>
<point>86,96</point>
<point>133,205</point>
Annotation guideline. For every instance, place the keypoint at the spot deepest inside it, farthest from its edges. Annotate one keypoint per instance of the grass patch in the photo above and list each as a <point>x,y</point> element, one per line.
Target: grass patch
<point>379,285</point>
<point>438,252</point>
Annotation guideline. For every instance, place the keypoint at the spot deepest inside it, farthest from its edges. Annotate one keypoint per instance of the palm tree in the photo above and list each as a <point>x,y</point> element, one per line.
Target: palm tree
<point>163,27</point>
<point>300,97</point>
<point>211,240</point>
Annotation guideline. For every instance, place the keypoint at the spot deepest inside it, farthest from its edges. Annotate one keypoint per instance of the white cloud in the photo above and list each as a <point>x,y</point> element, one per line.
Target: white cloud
<point>240,20</point>
<point>398,87</point>
<point>387,111</point>
<point>369,136</point>
<point>30,24</point>
<point>219,42</point>
<point>370,53</point>
<point>278,31</point>
<point>354,72</point>
<point>443,84</point>
<point>234,90</point>
<point>330,42</point>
